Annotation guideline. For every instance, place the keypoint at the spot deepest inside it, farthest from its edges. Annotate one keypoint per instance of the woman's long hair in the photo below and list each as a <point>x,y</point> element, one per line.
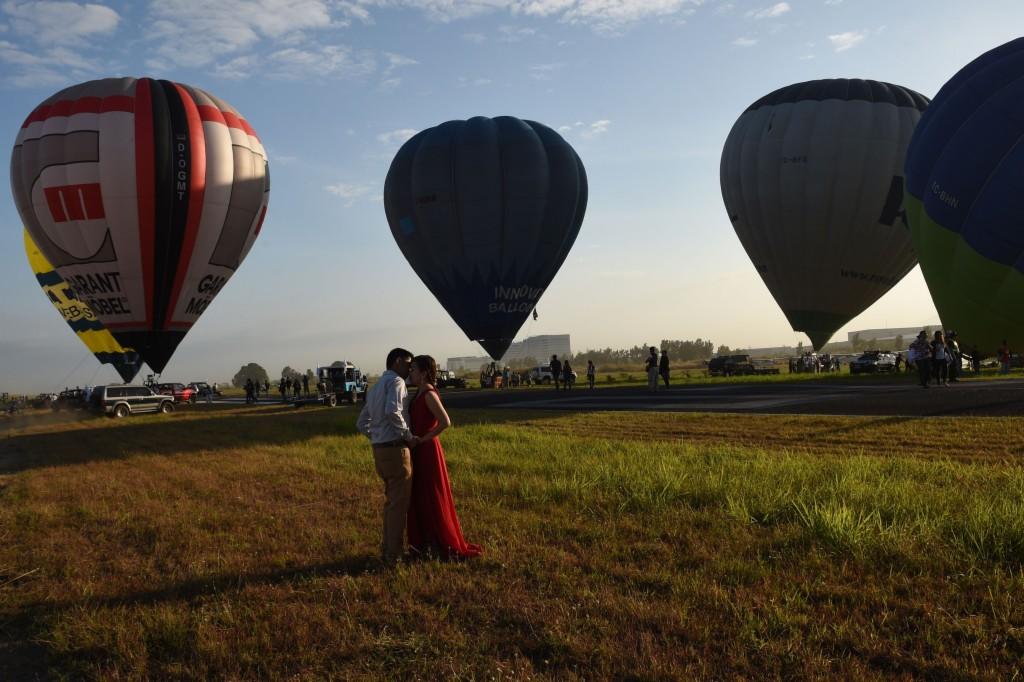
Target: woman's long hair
<point>428,366</point>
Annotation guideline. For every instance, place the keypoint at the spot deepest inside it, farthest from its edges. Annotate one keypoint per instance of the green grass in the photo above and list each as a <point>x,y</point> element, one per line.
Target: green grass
<point>240,543</point>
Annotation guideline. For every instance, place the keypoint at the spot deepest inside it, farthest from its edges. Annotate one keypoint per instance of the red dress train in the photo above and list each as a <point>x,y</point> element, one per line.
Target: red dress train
<point>432,523</point>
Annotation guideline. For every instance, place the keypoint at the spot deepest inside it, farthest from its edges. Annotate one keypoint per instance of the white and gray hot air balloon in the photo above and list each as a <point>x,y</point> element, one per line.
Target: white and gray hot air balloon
<point>812,179</point>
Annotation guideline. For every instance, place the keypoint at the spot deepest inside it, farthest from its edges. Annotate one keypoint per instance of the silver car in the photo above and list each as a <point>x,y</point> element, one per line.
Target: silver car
<point>120,400</point>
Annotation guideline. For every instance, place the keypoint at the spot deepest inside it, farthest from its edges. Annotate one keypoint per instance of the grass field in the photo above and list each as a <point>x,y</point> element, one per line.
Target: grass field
<point>240,543</point>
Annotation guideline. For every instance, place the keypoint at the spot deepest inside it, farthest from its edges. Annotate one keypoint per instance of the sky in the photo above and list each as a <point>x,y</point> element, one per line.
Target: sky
<point>644,90</point>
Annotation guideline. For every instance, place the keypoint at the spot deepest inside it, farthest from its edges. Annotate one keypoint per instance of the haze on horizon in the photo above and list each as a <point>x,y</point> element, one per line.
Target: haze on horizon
<point>645,91</point>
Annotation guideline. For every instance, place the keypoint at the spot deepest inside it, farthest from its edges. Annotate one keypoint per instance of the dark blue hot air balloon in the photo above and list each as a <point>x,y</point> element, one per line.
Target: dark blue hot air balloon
<point>485,211</point>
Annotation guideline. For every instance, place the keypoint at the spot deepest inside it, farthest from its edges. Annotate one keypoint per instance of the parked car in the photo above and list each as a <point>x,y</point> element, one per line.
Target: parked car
<point>874,361</point>
<point>447,379</point>
<point>120,400</point>
<point>180,392</point>
<point>203,389</point>
<point>541,374</point>
<point>69,399</point>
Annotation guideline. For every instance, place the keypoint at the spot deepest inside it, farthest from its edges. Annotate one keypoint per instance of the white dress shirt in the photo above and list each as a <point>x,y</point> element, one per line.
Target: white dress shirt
<point>383,418</point>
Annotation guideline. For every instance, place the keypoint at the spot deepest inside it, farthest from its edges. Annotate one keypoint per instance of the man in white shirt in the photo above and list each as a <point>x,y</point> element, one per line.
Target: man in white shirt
<point>383,422</point>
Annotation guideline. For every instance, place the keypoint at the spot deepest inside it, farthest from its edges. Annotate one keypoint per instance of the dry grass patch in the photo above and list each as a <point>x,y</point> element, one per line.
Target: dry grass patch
<point>240,544</point>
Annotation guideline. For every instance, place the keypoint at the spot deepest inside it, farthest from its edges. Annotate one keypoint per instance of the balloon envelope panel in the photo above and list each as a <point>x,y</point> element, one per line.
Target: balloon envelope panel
<point>965,171</point>
<point>80,317</point>
<point>811,177</point>
<point>485,211</point>
<point>145,196</point>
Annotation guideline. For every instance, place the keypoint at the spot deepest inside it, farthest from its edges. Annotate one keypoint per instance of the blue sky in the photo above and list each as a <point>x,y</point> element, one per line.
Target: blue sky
<point>645,90</point>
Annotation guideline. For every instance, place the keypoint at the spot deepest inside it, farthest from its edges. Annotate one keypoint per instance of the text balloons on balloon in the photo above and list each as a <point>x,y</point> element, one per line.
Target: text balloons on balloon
<point>145,195</point>
<point>486,211</point>
<point>812,179</point>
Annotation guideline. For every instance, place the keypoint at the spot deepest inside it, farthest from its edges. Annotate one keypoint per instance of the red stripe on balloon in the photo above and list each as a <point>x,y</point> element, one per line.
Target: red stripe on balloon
<point>259,225</point>
<point>197,188</point>
<point>215,115</point>
<point>145,183</point>
<point>84,105</point>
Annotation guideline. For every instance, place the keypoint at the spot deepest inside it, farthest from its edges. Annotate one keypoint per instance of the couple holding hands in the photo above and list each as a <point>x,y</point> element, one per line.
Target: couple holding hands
<point>410,460</point>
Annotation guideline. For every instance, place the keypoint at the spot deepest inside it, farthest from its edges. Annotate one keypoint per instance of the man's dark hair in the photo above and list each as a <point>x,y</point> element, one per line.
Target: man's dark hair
<point>395,354</point>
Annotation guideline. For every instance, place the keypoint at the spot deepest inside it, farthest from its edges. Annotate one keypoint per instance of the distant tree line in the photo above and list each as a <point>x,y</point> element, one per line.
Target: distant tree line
<point>678,350</point>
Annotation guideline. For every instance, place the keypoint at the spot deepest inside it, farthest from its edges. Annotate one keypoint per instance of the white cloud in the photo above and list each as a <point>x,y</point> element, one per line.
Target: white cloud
<point>542,72</point>
<point>846,40</point>
<point>60,23</point>
<point>475,38</point>
<point>327,61</point>
<point>196,34</point>
<point>397,136</point>
<point>349,192</point>
<point>602,15</point>
<point>53,67</point>
<point>596,128</point>
<point>513,34</point>
<point>775,10</point>
<point>389,84</point>
<point>396,61</point>
<point>745,42</point>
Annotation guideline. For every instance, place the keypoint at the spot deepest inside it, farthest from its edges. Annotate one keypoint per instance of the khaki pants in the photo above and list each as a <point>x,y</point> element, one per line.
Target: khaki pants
<point>394,466</point>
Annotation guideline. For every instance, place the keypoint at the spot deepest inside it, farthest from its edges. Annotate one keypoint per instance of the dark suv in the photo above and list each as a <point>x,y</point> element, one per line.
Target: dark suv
<point>119,400</point>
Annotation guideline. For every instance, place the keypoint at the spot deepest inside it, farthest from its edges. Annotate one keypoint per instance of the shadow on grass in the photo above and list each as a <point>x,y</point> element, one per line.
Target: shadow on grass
<point>101,439</point>
<point>26,654</point>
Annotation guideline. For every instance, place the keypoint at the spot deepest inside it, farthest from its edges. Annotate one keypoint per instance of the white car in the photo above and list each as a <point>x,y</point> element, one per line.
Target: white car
<point>541,374</point>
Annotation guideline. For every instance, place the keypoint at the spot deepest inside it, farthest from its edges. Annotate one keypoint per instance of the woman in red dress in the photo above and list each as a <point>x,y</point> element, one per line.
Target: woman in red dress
<point>433,525</point>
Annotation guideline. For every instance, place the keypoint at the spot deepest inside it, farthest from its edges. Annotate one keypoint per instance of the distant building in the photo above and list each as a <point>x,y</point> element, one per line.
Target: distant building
<point>541,348</point>
<point>908,333</point>
<point>466,363</point>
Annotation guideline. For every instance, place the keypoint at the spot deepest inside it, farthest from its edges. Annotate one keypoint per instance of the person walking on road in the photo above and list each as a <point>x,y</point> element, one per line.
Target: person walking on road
<point>383,422</point>
<point>556,370</point>
<point>920,355</point>
<point>567,378</point>
<point>591,373</point>
<point>651,365</point>
<point>1004,358</point>
<point>955,357</point>
<point>305,385</point>
<point>663,366</point>
<point>940,359</point>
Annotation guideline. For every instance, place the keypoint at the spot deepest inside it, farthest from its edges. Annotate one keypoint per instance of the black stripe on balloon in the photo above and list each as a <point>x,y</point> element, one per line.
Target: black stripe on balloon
<point>49,279</point>
<point>79,326</point>
<point>173,165</point>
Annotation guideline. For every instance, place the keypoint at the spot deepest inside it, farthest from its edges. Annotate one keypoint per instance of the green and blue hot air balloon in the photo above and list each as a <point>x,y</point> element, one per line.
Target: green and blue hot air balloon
<point>965,199</point>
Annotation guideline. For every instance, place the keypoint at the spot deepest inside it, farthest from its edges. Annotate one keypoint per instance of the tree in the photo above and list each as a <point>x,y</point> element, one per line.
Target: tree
<point>900,342</point>
<point>289,373</point>
<point>251,371</point>
<point>310,376</point>
<point>723,350</point>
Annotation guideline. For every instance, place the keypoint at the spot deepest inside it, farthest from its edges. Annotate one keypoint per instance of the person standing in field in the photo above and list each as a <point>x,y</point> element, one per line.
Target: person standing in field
<point>920,355</point>
<point>383,422</point>
<point>940,359</point>
<point>433,524</point>
<point>1004,358</point>
<point>556,370</point>
<point>305,384</point>
<point>954,356</point>
<point>283,389</point>
<point>591,373</point>
<point>567,378</point>
<point>663,366</point>
<point>651,365</point>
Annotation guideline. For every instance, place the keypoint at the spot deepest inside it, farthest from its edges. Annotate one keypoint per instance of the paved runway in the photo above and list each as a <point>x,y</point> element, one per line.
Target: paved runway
<point>872,397</point>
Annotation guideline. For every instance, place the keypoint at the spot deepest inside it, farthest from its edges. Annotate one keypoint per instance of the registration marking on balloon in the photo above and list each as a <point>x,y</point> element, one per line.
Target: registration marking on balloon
<point>520,299</point>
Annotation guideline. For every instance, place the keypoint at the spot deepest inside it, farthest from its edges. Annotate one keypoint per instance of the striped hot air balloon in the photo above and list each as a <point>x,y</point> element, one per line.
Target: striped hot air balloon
<point>80,317</point>
<point>965,199</point>
<point>486,211</point>
<point>812,178</point>
<point>145,196</point>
